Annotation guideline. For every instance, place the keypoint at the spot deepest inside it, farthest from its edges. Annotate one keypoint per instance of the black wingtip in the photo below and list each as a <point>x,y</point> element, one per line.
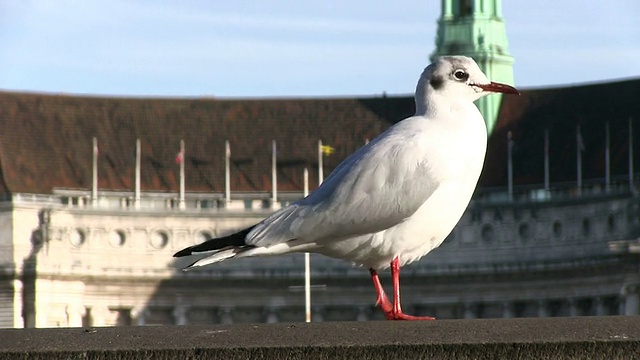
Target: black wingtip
<point>183,252</point>
<point>236,239</point>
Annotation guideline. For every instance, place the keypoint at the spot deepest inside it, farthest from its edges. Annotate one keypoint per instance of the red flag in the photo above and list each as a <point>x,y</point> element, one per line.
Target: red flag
<point>179,158</point>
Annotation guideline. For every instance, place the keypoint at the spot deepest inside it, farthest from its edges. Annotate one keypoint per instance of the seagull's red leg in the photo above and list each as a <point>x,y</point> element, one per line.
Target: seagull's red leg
<point>392,311</point>
<point>382,300</point>
<point>396,311</point>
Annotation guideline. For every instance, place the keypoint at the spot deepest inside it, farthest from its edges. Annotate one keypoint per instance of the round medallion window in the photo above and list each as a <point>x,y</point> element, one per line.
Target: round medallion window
<point>487,232</point>
<point>524,231</point>
<point>557,229</point>
<point>77,237</point>
<point>117,238</point>
<point>586,227</point>
<point>159,239</point>
<point>611,223</point>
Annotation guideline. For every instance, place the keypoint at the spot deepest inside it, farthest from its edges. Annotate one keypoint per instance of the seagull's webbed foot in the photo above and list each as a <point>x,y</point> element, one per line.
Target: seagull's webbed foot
<point>392,311</point>
<point>402,316</point>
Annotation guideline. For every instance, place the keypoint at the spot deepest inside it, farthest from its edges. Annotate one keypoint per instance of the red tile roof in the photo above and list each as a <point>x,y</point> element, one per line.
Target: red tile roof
<point>45,140</point>
<point>560,110</point>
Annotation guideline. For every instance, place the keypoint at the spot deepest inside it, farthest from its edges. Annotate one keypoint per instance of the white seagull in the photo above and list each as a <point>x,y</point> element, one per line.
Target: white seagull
<point>393,200</point>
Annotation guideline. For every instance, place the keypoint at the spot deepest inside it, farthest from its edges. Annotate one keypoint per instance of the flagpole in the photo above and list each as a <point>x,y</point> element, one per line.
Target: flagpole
<point>631,153</point>
<point>227,172</point>
<point>509,165</point>
<point>181,202</point>
<point>274,175</point>
<point>546,159</point>
<point>305,192</point>
<point>94,171</point>
<point>579,147</point>
<point>607,158</point>
<point>307,262</point>
<point>320,165</point>
<point>136,195</point>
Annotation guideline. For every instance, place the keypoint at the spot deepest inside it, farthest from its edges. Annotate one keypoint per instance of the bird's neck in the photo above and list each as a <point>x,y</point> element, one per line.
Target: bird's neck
<point>430,103</point>
<point>433,105</point>
<point>421,97</point>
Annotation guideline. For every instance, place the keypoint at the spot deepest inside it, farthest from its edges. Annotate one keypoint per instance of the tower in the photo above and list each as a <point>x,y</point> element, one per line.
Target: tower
<point>476,28</point>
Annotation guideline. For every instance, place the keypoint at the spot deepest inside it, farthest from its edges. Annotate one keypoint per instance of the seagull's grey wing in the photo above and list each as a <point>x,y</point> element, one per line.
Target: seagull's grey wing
<point>377,187</point>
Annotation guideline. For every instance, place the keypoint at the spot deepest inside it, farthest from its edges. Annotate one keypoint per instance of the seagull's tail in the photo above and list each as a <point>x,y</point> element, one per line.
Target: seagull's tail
<point>220,249</point>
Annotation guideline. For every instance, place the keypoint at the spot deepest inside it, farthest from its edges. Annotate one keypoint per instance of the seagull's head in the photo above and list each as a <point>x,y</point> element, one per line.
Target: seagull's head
<point>459,76</point>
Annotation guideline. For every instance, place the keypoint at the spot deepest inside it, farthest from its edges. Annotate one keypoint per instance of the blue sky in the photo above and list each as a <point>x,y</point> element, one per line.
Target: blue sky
<point>290,48</point>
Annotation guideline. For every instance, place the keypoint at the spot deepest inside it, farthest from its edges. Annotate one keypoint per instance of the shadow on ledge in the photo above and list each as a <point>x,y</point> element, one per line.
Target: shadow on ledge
<point>615,337</point>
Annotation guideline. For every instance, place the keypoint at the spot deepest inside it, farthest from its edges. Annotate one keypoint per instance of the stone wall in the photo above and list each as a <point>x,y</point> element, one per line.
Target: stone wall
<point>608,338</point>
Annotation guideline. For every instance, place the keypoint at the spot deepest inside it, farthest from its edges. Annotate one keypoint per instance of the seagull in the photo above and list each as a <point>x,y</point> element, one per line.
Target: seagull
<point>395,199</point>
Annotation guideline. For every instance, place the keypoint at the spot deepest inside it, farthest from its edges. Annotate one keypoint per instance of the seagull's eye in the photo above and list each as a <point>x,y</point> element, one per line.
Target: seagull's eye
<point>461,75</point>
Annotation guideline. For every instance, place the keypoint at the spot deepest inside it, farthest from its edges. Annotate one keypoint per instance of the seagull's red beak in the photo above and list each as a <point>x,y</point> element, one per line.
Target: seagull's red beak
<point>497,87</point>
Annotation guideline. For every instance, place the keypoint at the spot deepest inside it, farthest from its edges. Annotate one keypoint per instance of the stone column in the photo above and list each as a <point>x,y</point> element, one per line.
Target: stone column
<point>225,315</point>
<point>601,310</point>
<point>98,315</point>
<point>507,310</point>
<point>138,315</point>
<point>573,307</point>
<point>362,314</point>
<point>271,315</point>
<point>317,314</point>
<point>631,296</point>
<point>18,318</point>
<point>469,312</point>
<point>620,305</point>
<point>75,313</point>
<point>180,315</point>
<point>543,309</point>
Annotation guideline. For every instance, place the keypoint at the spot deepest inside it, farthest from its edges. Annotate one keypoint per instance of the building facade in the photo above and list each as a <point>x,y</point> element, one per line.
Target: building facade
<point>80,265</point>
<point>93,204</point>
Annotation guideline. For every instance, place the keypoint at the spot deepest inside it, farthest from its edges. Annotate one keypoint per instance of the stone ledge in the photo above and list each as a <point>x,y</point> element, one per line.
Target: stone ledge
<point>616,337</point>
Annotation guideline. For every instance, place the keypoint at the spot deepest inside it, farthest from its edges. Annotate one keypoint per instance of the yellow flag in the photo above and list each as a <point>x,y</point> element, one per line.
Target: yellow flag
<point>327,150</point>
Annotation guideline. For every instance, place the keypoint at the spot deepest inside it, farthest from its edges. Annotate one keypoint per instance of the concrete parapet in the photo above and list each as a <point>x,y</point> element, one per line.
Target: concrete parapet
<point>615,337</point>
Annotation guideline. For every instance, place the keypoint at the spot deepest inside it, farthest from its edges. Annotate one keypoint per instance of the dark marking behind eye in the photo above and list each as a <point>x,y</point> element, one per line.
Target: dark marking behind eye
<point>436,82</point>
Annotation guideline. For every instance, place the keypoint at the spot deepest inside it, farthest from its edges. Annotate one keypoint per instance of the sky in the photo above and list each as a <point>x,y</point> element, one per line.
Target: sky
<point>290,48</point>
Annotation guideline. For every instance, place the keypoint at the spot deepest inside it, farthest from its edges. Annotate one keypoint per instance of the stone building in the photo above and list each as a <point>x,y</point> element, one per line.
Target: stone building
<point>87,229</point>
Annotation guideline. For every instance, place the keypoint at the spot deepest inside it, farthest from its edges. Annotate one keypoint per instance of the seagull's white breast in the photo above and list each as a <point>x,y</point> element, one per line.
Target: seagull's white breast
<point>452,150</point>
